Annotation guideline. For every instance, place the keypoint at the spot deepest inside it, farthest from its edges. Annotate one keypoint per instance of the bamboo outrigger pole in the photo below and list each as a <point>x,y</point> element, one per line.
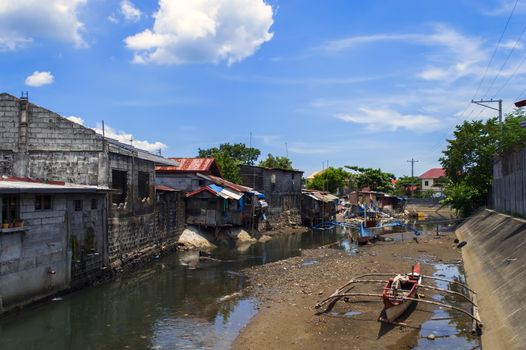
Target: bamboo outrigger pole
<point>479,322</point>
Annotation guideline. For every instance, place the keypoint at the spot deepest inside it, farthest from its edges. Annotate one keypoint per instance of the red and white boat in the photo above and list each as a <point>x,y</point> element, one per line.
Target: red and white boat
<point>397,290</point>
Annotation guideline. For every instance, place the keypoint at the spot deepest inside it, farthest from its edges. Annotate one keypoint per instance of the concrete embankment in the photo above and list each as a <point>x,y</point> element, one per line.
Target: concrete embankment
<point>495,266</point>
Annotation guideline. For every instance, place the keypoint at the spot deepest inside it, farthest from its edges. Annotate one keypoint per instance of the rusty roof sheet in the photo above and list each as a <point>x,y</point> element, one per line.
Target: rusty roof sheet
<point>165,188</point>
<point>189,165</point>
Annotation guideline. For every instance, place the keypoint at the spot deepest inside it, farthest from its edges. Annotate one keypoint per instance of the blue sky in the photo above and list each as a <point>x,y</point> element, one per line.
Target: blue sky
<point>368,83</point>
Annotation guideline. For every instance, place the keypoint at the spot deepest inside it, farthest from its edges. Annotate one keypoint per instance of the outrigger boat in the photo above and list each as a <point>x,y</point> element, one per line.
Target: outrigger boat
<point>400,292</point>
<point>397,290</point>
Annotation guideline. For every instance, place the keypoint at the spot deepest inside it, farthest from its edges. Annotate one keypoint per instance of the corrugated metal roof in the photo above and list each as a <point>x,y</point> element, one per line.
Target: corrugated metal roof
<point>320,196</point>
<point>32,186</point>
<point>225,183</point>
<point>189,165</point>
<point>433,173</point>
<point>217,191</point>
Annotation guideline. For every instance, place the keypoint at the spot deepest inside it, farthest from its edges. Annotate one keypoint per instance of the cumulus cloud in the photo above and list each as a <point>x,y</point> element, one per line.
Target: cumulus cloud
<point>128,139</point>
<point>129,11</point>
<point>380,119</point>
<point>22,21</point>
<point>39,79</point>
<point>204,31</point>
<point>77,120</point>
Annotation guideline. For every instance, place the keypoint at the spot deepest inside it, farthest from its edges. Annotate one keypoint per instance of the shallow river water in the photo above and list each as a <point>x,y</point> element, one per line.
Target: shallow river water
<point>180,302</point>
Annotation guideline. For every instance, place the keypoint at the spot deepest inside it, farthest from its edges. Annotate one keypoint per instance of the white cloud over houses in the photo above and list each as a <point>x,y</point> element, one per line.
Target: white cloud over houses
<point>23,21</point>
<point>38,79</point>
<point>128,139</point>
<point>129,11</point>
<point>77,120</point>
<point>379,119</point>
<point>122,136</point>
<point>204,31</point>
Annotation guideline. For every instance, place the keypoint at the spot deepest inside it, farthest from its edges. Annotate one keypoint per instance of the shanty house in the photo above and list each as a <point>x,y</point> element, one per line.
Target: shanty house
<point>211,201</point>
<point>282,190</point>
<point>317,207</point>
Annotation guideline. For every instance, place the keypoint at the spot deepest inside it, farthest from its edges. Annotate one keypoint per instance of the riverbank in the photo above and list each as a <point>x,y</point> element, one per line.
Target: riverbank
<point>289,289</point>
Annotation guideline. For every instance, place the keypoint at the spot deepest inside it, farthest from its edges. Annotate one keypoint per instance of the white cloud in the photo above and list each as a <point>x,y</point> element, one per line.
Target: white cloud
<point>128,139</point>
<point>129,11</point>
<point>23,20</point>
<point>510,44</point>
<point>39,79</point>
<point>381,119</point>
<point>77,120</point>
<point>204,31</point>
<point>458,58</point>
<point>113,19</point>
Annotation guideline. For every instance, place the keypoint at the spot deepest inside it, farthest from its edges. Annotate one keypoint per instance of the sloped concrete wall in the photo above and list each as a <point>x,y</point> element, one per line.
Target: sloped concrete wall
<point>495,262</point>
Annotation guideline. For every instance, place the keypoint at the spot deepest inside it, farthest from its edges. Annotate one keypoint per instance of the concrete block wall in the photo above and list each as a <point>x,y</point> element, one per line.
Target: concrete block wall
<point>28,256</point>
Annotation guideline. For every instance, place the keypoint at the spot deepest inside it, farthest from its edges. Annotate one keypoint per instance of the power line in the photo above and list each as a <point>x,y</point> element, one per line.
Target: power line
<point>481,81</point>
<point>505,62</point>
<point>496,47</point>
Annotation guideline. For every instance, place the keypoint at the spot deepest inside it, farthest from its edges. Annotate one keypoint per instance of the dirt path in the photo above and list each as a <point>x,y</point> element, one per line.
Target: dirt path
<point>289,289</point>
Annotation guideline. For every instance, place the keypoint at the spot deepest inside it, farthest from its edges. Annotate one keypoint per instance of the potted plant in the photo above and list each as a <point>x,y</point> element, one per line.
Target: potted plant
<point>5,225</point>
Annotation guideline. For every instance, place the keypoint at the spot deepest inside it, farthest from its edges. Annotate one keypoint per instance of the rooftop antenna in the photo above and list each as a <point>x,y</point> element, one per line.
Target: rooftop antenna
<point>103,131</point>
<point>131,140</point>
<point>24,95</point>
<point>287,149</point>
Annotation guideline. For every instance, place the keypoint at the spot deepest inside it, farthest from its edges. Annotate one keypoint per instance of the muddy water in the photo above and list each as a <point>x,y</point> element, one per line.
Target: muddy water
<point>179,302</point>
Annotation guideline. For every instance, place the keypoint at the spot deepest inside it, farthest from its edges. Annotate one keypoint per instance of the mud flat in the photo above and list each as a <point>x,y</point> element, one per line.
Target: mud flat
<point>288,290</point>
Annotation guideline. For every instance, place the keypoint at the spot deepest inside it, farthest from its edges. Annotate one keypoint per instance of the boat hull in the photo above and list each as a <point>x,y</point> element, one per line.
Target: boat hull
<point>394,312</point>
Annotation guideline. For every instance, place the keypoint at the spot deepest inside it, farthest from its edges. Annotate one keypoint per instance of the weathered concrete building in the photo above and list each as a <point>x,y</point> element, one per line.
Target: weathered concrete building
<point>52,238</point>
<point>282,190</point>
<point>40,144</point>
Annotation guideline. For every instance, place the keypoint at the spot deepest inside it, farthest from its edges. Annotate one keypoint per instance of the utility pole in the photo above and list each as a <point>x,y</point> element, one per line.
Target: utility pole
<point>412,161</point>
<point>481,103</point>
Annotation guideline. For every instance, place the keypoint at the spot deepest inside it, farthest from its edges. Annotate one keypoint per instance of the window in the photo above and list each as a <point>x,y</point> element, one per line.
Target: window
<point>94,204</point>
<point>144,184</point>
<point>10,209</point>
<point>426,183</point>
<point>119,180</point>
<point>42,202</point>
<point>78,204</point>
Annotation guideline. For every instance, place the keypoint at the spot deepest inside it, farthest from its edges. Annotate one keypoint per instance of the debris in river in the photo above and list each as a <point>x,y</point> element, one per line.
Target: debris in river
<point>229,297</point>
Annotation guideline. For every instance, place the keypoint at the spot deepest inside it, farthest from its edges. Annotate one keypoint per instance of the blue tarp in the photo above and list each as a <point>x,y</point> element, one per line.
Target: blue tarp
<point>215,188</point>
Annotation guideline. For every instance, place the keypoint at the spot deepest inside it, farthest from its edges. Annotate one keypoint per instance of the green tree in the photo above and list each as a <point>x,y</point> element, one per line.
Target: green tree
<point>403,184</point>
<point>276,162</point>
<point>329,180</point>
<point>238,151</point>
<point>468,158</point>
<point>375,179</point>
<point>229,157</point>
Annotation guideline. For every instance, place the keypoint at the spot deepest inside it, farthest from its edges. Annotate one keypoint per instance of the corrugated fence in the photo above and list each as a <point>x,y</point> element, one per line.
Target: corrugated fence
<point>508,194</point>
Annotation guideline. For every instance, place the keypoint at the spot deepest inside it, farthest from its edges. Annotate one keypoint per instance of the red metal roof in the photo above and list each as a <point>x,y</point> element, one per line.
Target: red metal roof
<point>433,173</point>
<point>226,183</point>
<point>199,190</point>
<point>202,165</point>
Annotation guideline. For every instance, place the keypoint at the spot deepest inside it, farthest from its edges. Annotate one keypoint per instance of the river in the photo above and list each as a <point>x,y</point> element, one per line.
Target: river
<point>178,302</point>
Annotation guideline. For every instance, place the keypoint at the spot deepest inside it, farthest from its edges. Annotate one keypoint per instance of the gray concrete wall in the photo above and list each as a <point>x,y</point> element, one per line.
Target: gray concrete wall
<point>27,256</point>
<point>186,182</point>
<point>282,191</point>
<point>496,268</point>
<point>508,194</point>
